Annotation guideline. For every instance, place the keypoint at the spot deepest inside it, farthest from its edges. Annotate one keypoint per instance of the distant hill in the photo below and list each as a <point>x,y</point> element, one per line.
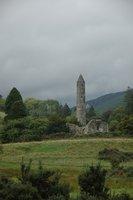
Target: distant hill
<point>107,102</point>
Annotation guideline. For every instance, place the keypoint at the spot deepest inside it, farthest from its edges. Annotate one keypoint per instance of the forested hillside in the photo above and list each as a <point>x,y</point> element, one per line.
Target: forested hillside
<point>107,102</point>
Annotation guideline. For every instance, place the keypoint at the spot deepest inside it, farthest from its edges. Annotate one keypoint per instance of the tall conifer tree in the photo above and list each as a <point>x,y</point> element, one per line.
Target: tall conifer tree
<point>91,112</point>
<point>14,106</point>
<point>66,110</point>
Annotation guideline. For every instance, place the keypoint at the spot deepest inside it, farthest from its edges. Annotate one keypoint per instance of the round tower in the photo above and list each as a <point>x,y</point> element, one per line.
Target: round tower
<point>81,105</point>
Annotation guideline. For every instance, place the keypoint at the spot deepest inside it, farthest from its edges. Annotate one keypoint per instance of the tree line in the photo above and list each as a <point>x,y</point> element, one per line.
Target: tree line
<point>35,119</point>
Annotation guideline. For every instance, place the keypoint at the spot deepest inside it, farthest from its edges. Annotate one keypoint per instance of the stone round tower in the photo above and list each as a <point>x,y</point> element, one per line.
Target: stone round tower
<point>81,105</point>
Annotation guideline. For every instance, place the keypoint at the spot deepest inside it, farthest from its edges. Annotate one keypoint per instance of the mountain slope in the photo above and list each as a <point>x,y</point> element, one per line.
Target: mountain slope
<point>107,102</point>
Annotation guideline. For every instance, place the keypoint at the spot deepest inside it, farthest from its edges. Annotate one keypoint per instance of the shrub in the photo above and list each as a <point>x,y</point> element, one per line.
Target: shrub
<point>31,128</point>
<point>17,191</point>
<point>126,125</point>
<point>114,197</point>
<point>113,126</point>
<point>10,136</point>
<point>115,156</point>
<point>34,186</point>
<point>88,197</point>
<point>121,197</point>
<point>47,182</point>
<point>57,124</point>
<point>72,120</point>
<point>121,120</point>
<point>92,181</point>
<point>58,197</point>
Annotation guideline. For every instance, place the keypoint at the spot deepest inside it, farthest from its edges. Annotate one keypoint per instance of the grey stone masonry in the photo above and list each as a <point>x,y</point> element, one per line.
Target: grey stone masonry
<point>81,105</point>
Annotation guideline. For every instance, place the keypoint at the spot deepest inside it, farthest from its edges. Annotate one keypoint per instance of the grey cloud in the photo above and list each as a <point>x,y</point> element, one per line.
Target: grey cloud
<point>45,45</point>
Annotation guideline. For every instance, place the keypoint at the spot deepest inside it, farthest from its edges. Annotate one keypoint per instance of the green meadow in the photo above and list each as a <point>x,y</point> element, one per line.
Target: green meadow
<point>70,156</point>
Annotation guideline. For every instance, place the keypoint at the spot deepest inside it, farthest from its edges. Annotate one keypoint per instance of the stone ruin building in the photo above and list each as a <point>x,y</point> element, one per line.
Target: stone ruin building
<point>94,125</point>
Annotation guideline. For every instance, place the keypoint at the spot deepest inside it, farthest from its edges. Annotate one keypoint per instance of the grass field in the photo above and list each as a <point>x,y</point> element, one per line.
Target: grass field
<point>70,156</point>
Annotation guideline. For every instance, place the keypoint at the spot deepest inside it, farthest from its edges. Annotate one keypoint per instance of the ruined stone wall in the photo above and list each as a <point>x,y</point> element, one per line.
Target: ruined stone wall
<point>93,126</point>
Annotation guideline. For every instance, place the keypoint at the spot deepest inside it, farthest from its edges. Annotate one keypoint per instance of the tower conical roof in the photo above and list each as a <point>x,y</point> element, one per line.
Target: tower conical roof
<point>81,79</point>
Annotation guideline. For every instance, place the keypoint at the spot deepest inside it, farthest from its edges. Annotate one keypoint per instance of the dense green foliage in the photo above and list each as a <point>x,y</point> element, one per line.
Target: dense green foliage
<point>93,187</point>
<point>121,119</point>
<point>18,110</point>
<point>123,196</point>
<point>121,122</point>
<point>48,184</point>
<point>30,128</point>
<point>70,156</point>
<point>14,106</point>
<point>39,185</point>
<point>106,115</point>
<point>17,191</point>
<point>44,184</point>
<point>92,182</point>
<point>57,124</point>
<point>45,117</point>
<point>49,117</point>
<point>43,108</point>
<point>13,96</point>
<point>72,119</point>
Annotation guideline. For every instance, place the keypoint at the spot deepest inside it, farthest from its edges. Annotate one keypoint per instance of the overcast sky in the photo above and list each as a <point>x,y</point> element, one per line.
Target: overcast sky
<point>46,44</point>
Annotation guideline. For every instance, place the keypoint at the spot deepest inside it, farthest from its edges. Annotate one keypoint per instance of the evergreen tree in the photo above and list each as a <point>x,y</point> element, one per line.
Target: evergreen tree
<point>14,106</point>
<point>13,96</point>
<point>106,115</point>
<point>91,112</point>
<point>18,109</point>
<point>66,110</point>
<point>129,101</point>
